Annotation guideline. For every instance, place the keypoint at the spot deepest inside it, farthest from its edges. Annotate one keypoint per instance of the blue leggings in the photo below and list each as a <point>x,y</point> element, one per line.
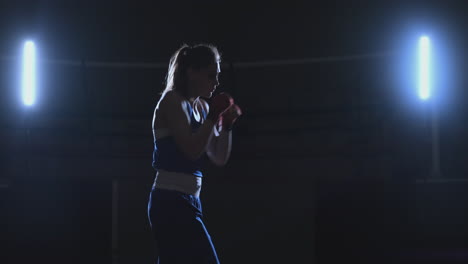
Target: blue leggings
<point>177,226</point>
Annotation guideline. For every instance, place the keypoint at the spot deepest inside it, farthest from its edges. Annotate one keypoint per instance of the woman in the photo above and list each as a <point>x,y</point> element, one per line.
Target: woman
<point>188,131</point>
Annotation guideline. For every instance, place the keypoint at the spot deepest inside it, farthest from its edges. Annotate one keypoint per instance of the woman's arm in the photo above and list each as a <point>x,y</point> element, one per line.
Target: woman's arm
<point>219,148</point>
<point>177,118</point>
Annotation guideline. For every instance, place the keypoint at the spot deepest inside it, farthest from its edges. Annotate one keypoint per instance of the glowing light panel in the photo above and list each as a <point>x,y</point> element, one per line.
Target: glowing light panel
<point>424,68</point>
<point>29,73</point>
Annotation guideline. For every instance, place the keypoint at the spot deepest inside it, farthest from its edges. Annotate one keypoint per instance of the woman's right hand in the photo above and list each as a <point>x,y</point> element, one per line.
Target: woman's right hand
<point>230,116</point>
<point>218,105</point>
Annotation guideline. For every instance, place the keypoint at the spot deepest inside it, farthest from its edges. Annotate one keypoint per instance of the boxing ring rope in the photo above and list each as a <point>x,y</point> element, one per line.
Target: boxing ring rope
<point>248,64</point>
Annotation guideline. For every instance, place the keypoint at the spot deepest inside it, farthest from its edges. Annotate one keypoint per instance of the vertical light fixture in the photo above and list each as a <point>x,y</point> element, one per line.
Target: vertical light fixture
<point>29,74</point>
<point>425,93</point>
<point>424,68</point>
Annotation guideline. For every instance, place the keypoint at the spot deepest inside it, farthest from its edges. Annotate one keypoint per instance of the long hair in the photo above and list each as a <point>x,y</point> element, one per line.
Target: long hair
<point>197,56</point>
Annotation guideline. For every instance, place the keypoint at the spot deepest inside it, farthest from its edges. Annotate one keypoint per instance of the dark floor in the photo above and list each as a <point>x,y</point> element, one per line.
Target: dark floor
<point>367,222</point>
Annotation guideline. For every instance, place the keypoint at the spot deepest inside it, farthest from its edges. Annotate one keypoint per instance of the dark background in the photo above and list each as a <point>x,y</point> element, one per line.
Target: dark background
<point>327,159</point>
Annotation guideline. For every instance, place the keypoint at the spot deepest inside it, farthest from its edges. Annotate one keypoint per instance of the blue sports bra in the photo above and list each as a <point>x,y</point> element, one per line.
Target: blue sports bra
<point>167,155</point>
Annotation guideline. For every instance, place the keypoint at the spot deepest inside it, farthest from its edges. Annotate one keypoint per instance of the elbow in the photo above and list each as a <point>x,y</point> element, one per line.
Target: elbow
<point>219,163</point>
<point>216,160</point>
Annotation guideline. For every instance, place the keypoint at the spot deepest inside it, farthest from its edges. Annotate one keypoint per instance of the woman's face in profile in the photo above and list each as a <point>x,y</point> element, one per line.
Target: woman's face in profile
<point>205,80</point>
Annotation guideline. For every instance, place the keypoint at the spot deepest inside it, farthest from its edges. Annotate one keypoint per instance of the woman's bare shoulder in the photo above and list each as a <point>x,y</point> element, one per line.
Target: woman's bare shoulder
<point>170,101</point>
